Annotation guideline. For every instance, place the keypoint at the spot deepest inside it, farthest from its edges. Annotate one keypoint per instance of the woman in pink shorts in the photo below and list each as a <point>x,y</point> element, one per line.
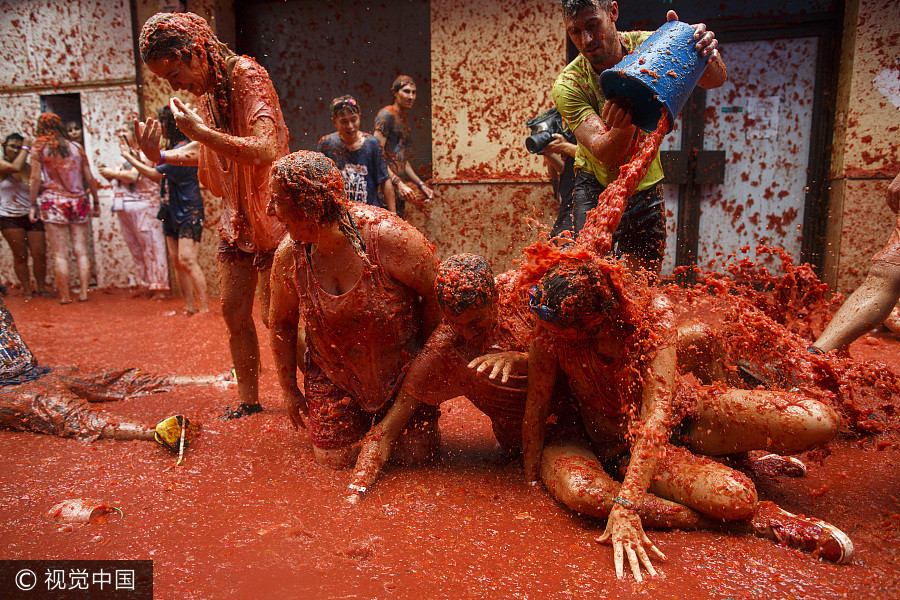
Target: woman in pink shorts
<point>59,172</point>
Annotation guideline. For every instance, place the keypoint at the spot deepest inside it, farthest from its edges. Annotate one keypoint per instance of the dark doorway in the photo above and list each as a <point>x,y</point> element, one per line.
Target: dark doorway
<point>67,106</point>
<point>315,51</point>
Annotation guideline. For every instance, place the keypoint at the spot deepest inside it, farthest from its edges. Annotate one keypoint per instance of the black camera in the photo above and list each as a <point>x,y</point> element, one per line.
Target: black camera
<point>543,127</point>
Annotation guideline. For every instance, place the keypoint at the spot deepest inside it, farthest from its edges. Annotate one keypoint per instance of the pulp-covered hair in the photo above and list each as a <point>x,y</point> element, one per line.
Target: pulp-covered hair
<point>176,35</point>
<point>345,102</point>
<point>402,80</point>
<point>464,281</point>
<point>570,8</point>
<point>51,133</point>
<point>312,181</point>
<point>11,137</point>
<point>577,290</point>
<point>170,129</point>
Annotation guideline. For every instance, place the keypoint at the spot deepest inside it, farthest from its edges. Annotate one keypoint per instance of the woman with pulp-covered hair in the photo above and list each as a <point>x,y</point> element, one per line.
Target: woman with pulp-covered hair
<point>59,175</point>
<point>237,132</point>
<point>363,280</point>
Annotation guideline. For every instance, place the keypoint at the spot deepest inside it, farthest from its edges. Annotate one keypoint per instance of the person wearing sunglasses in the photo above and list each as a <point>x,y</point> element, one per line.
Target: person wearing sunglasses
<point>616,342</point>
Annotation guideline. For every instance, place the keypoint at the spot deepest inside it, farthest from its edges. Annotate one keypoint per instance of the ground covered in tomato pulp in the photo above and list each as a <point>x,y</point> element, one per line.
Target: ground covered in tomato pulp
<point>250,515</point>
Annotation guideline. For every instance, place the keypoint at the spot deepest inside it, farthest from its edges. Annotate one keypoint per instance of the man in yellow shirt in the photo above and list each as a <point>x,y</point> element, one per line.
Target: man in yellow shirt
<point>606,137</point>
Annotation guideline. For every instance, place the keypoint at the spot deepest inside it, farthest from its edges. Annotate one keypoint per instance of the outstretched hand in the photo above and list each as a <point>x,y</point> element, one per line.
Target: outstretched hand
<point>626,534</point>
<point>500,362</point>
<point>147,135</point>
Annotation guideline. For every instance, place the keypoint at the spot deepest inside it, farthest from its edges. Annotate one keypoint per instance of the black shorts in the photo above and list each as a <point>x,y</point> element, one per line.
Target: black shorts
<point>191,229</point>
<point>22,222</point>
<point>642,230</point>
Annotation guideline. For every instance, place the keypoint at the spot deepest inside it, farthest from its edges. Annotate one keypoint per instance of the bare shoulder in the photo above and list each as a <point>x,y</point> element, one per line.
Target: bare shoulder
<point>404,253</point>
<point>284,253</point>
<point>392,231</point>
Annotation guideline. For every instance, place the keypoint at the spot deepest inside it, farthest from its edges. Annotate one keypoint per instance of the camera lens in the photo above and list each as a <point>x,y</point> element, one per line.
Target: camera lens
<point>536,142</point>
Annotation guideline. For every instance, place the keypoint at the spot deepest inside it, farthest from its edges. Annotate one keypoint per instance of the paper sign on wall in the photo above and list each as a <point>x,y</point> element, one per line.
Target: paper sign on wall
<point>763,115</point>
<point>888,83</point>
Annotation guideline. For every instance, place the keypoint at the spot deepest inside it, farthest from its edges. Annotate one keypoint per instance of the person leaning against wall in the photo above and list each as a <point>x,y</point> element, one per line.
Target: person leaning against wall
<point>871,303</point>
<point>606,137</point>
<point>23,236</point>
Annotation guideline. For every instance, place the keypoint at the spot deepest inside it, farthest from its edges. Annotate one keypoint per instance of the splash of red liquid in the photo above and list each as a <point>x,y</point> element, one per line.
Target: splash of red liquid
<point>604,219</point>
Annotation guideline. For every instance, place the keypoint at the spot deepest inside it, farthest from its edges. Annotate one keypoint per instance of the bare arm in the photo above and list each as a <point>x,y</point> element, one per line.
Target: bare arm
<point>387,188</point>
<point>129,176</point>
<point>35,180</point>
<point>260,147</point>
<point>403,190</point>
<point>542,368</point>
<point>91,182</point>
<point>409,258</point>
<point>378,444</point>
<point>145,170</point>
<point>284,314</point>
<point>7,168</point>
<point>623,527</point>
<point>607,136</point>
<point>411,174</point>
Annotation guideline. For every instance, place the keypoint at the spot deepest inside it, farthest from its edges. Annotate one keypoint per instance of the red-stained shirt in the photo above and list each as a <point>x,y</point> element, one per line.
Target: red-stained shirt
<point>245,188</point>
<point>440,371</point>
<point>363,338</point>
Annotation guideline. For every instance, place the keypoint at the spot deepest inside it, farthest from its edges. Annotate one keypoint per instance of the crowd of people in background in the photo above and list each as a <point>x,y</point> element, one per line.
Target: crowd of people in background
<point>159,206</point>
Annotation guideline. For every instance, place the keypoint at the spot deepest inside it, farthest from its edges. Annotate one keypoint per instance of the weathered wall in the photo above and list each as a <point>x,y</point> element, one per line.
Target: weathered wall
<point>492,66</point>
<point>156,92</point>
<point>87,47</point>
<point>315,51</point>
<point>50,46</point>
<point>866,140</point>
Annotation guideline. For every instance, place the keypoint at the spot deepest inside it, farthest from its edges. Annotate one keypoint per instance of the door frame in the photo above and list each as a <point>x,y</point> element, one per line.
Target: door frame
<point>825,28</point>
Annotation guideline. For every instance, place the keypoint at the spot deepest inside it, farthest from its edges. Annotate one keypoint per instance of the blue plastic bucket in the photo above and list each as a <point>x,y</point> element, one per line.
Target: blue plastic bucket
<point>658,76</point>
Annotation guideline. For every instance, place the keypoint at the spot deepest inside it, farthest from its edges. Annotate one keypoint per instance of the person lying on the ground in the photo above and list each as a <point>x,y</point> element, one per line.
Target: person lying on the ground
<point>55,401</point>
<point>480,351</point>
<point>615,340</point>
<point>872,302</point>
<point>364,282</point>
